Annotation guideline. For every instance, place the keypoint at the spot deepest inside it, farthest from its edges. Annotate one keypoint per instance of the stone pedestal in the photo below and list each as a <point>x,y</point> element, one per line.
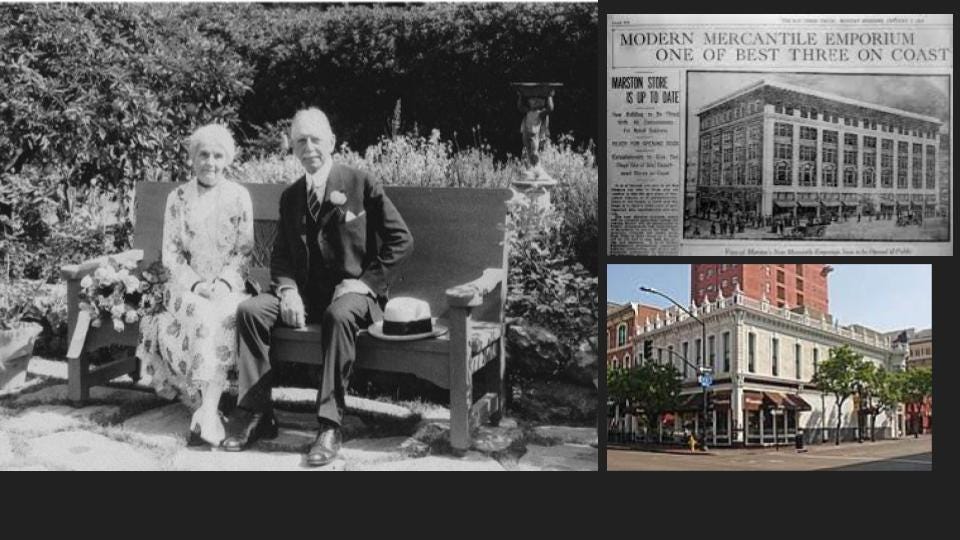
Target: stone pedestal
<point>536,192</point>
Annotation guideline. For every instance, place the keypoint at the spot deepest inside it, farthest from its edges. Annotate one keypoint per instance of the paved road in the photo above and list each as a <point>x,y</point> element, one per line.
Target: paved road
<point>905,454</point>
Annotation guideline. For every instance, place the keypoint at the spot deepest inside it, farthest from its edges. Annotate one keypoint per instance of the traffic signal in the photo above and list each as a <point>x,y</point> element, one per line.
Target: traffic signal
<point>648,349</point>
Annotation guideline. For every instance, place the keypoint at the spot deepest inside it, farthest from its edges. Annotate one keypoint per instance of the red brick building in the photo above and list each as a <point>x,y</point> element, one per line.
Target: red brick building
<point>784,285</point>
<point>622,323</point>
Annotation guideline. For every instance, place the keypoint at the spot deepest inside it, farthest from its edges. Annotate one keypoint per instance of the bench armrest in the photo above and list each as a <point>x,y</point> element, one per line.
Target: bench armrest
<point>78,271</point>
<point>472,293</point>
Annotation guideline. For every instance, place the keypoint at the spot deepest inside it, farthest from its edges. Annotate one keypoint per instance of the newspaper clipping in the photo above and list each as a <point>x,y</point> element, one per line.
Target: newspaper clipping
<point>779,135</point>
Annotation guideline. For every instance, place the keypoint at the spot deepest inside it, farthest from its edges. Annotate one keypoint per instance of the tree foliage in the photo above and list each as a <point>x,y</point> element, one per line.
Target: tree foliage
<point>839,375</point>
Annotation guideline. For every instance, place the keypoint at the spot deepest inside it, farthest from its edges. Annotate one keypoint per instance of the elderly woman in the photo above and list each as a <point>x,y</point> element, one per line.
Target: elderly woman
<point>189,348</point>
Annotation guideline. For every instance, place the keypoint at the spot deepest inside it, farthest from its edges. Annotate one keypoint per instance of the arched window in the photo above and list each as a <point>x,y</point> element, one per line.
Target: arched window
<point>808,175</point>
<point>781,173</point>
<point>829,176</point>
<point>850,177</point>
<point>616,363</point>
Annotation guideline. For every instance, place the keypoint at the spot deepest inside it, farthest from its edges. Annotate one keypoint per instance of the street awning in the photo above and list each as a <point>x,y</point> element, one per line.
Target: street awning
<point>784,204</point>
<point>777,400</point>
<point>832,204</point>
<point>720,400</point>
<point>690,402</point>
<point>798,402</point>
<point>752,400</point>
<point>808,204</point>
<point>774,400</point>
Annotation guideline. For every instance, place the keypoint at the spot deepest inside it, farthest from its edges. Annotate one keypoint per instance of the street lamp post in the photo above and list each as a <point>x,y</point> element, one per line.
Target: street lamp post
<point>703,358</point>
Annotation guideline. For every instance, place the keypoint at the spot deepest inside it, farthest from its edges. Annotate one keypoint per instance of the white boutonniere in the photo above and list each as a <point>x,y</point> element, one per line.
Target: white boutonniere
<point>338,198</point>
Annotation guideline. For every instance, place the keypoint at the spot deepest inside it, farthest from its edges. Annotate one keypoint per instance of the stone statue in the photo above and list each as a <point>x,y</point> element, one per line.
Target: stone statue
<point>535,129</point>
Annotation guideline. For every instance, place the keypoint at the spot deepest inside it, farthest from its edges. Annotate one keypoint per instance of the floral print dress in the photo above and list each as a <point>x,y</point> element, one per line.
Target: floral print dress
<point>207,236</point>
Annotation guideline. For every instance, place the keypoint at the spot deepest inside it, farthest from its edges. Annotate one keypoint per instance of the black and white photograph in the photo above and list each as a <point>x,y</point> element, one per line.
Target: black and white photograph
<point>299,237</point>
<point>814,156</point>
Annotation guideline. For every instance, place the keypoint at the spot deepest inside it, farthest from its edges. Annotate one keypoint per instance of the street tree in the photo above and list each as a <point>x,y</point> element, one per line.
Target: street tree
<point>838,376</point>
<point>864,374</point>
<point>617,387</point>
<point>884,393</point>
<point>917,389</point>
<point>654,388</point>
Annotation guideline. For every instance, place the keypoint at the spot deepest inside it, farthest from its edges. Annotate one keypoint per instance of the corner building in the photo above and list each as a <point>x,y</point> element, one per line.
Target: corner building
<point>763,359</point>
<point>773,148</point>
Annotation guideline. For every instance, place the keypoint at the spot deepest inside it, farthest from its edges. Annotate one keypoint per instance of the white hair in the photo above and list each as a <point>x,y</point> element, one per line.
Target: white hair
<point>312,117</point>
<point>215,134</point>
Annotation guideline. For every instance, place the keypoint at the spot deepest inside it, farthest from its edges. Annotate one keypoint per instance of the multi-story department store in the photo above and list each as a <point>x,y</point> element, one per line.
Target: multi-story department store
<point>774,148</point>
<point>763,359</point>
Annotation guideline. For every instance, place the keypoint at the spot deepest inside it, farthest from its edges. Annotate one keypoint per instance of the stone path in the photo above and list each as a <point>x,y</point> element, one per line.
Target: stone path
<point>126,427</point>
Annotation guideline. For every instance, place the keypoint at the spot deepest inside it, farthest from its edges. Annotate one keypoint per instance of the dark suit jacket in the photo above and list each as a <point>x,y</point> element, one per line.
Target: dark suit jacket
<point>349,249</point>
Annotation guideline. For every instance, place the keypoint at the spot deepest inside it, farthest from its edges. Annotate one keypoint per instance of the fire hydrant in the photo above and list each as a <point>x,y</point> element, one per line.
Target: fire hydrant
<point>693,444</point>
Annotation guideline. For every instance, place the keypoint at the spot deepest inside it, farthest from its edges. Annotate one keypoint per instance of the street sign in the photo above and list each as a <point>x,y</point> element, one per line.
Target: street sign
<point>706,379</point>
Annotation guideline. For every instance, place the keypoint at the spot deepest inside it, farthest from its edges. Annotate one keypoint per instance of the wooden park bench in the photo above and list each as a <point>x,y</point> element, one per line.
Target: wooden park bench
<point>459,266</point>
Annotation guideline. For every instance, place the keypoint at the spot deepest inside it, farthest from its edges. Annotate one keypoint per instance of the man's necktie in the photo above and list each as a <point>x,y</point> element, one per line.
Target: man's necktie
<point>313,202</point>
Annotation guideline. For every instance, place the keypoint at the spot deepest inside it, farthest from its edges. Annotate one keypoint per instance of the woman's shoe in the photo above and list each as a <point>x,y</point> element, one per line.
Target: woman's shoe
<point>194,438</point>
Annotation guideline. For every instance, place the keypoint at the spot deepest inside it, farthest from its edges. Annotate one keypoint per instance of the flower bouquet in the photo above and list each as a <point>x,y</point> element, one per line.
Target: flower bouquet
<point>119,292</point>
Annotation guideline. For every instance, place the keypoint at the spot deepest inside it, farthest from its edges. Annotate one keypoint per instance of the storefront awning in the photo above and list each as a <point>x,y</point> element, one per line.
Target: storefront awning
<point>808,204</point>
<point>690,402</point>
<point>720,400</point>
<point>832,204</point>
<point>774,400</point>
<point>752,401</point>
<point>798,402</point>
<point>784,204</point>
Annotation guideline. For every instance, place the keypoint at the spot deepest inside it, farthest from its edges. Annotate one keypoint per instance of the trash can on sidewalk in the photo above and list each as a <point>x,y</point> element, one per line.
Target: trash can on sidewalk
<point>798,440</point>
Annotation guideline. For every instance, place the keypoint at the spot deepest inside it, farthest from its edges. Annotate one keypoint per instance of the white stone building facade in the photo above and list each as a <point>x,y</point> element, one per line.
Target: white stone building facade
<point>763,359</point>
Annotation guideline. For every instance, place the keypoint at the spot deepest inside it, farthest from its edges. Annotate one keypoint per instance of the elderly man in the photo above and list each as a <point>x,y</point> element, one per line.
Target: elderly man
<point>326,269</point>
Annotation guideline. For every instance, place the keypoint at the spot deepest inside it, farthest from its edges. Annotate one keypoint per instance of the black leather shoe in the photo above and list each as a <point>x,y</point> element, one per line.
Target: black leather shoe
<point>244,427</point>
<point>326,447</point>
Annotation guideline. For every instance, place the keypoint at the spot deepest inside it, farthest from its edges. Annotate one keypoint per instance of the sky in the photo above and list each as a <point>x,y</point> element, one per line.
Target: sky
<point>883,297</point>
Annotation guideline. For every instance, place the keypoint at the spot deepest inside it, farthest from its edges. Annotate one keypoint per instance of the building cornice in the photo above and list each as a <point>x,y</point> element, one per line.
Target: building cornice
<point>821,95</point>
<point>758,311</point>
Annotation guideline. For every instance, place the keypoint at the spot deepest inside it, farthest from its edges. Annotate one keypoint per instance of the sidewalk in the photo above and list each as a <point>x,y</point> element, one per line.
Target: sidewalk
<point>127,427</point>
<point>758,450</point>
